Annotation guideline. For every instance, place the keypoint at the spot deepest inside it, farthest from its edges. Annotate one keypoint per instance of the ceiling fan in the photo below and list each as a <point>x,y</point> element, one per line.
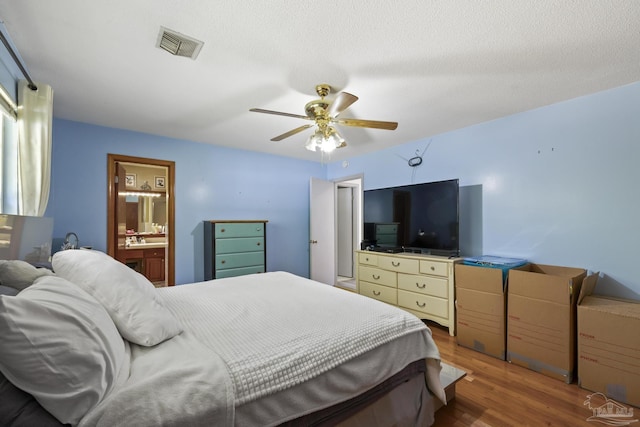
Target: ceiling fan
<point>324,114</point>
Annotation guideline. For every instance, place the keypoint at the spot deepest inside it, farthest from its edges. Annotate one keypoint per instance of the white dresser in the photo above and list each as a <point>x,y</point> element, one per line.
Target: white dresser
<point>420,284</point>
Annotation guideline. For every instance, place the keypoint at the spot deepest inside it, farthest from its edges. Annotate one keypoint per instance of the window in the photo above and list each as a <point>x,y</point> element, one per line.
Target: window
<point>8,161</point>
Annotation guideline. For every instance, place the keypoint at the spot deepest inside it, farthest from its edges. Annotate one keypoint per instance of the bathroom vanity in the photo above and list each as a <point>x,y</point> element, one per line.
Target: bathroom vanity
<point>145,253</point>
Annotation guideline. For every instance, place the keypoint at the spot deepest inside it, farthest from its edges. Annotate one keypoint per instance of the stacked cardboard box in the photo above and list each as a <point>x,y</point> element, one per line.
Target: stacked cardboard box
<point>609,345</point>
<point>541,319</point>
<point>481,305</point>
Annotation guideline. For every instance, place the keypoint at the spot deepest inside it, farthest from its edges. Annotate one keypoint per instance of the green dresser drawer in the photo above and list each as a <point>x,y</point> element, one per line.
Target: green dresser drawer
<point>387,234</point>
<point>239,244</point>
<point>246,259</point>
<point>234,247</point>
<point>233,272</point>
<point>386,229</point>
<point>238,229</point>
<point>387,240</point>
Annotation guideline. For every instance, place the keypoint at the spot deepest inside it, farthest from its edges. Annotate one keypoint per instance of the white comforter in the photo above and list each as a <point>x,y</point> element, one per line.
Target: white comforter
<point>245,338</point>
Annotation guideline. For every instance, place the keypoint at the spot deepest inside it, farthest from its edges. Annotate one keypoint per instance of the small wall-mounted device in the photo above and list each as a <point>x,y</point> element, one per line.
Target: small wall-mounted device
<point>415,161</point>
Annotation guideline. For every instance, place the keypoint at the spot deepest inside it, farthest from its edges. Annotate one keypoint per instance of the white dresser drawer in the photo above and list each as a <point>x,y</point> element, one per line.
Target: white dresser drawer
<point>399,264</point>
<point>382,293</point>
<point>424,303</point>
<point>421,284</point>
<point>436,268</point>
<point>368,259</point>
<point>427,285</point>
<point>377,275</point>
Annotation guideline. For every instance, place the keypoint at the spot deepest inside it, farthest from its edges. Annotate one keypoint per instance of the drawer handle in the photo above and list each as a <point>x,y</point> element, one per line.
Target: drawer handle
<point>424,285</point>
<point>259,229</point>
<point>258,243</point>
<point>366,259</point>
<point>222,262</point>
<point>421,305</point>
<point>222,230</point>
<point>433,268</point>
<point>394,264</point>
<point>376,293</point>
<point>375,277</point>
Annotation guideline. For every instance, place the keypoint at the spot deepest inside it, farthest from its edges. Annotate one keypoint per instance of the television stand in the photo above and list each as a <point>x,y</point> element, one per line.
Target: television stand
<point>420,284</point>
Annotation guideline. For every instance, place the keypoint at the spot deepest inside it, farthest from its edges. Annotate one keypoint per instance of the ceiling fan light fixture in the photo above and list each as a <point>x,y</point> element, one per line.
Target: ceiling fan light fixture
<point>325,142</point>
<point>328,145</point>
<point>324,113</point>
<point>314,142</point>
<point>332,141</point>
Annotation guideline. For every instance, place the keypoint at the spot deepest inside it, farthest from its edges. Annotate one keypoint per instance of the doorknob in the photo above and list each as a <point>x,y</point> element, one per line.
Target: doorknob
<point>313,241</point>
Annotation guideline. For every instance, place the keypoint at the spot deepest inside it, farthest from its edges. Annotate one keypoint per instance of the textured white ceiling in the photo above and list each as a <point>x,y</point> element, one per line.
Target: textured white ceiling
<point>432,66</point>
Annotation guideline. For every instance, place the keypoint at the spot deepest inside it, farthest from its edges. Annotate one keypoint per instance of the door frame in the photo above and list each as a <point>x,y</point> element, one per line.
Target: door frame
<point>356,181</point>
<point>355,184</point>
<point>112,195</point>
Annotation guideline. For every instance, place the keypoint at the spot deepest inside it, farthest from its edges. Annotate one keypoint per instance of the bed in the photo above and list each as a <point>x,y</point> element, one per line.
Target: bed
<point>100,346</point>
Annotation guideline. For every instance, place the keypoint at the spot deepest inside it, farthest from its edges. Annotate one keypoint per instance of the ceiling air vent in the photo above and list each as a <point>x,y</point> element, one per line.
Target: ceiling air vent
<point>178,44</point>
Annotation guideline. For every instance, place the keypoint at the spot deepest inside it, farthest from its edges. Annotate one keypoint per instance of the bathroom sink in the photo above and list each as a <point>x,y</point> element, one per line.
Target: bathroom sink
<point>147,245</point>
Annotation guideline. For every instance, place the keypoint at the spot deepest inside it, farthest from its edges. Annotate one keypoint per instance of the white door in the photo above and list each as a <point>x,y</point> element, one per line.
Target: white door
<point>322,234</point>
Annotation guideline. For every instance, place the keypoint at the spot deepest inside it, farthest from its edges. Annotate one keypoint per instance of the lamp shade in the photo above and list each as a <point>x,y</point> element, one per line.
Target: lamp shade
<point>324,141</point>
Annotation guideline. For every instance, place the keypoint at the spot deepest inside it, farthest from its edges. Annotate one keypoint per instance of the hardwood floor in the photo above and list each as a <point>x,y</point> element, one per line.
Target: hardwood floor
<point>497,393</point>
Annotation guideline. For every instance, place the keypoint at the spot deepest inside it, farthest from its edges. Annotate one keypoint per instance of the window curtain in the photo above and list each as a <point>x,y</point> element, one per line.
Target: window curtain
<point>35,118</point>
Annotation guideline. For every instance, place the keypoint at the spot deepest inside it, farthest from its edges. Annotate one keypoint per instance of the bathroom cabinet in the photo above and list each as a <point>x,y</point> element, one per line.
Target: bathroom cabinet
<point>154,264</point>
<point>148,259</point>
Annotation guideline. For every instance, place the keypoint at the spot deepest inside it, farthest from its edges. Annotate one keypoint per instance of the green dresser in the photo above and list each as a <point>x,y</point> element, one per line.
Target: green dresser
<point>387,234</point>
<point>234,248</point>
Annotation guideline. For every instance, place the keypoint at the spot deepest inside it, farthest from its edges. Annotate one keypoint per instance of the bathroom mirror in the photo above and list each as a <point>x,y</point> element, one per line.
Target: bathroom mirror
<point>147,213</point>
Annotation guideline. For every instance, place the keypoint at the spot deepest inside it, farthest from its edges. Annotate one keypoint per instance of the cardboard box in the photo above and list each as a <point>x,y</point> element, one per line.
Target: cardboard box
<point>541,319</point>
<point>481,309</point>
<point>609,345</point>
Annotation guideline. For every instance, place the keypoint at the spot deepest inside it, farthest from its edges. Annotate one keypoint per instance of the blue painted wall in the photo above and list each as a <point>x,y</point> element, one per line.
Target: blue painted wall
<point>211,183</point>
<point>558,185</point>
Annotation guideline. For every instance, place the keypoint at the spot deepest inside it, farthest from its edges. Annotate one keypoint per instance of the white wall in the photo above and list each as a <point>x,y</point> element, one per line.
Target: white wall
<point>559,184</point>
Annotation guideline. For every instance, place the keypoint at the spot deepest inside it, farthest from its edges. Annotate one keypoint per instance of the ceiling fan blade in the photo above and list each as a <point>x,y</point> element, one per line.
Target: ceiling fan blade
<point>278,113</point>
<point>367,123</point>
<point>290,133</point>
<point>342,102</point>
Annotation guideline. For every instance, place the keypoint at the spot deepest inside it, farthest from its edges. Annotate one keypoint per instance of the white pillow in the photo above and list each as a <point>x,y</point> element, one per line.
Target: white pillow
<point>129,298</point>
<point>20,274</point>
<point>60,345</point>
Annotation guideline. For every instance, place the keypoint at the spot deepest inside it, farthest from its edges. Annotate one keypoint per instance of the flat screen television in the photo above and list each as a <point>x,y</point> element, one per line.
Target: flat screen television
<point>420,218</point>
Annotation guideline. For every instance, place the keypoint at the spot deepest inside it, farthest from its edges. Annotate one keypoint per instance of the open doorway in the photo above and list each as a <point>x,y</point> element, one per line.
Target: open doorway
<point>348,230</point>
<point>333,240</point>
<point>141,216</point>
